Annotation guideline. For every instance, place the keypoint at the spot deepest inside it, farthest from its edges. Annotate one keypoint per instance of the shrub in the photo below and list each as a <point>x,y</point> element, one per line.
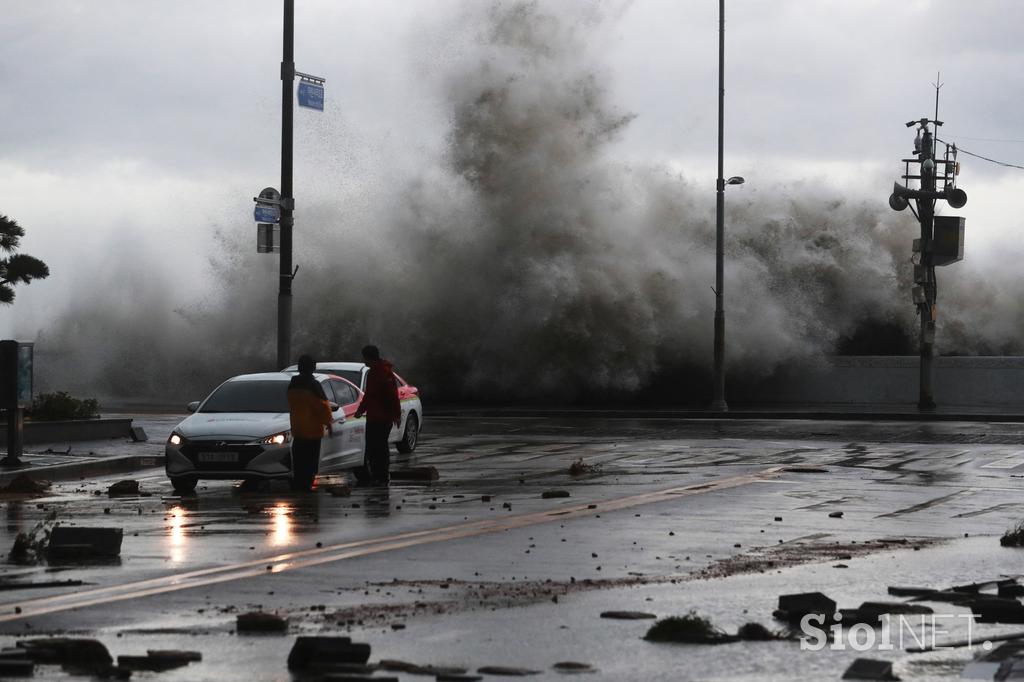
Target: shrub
<point>1013,537</point>
<point>688,629</point>
<point>60,406</point>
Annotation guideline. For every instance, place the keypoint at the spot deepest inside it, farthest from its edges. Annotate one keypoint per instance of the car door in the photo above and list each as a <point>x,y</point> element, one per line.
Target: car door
<point>354,429</point>
<point>333,443</point>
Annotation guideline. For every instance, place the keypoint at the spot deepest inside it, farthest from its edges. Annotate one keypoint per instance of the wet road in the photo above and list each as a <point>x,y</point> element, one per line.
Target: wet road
<point>471,564</point>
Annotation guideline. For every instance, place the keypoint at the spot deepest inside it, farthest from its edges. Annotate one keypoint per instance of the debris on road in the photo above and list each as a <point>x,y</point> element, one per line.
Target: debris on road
<point>793,607</point>
<point>836,515</point>
<point>23,484</point>
<point>124,488</point>
<point>573,667</point>
<point>997,610</point>
<point>869,669</point>
<point>550,494</point>
<point>506,671</point>
<point>1005,662</point>
<point>579,468</point>
<point>159,660</point>
<point>688,629</point>
<point>755,632</point>
<point>627,615</point>
<point>260,621</point>
<point>338,490</point>
<point>311,652</point>
<point>79,542</point>
<point>392,665</point>
<point>1013,537</point>
<point>415,474</point>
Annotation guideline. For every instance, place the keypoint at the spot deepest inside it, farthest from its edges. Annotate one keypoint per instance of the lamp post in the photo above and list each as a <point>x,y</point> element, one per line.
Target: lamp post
<point>718,403</point>
<point>284,296</point>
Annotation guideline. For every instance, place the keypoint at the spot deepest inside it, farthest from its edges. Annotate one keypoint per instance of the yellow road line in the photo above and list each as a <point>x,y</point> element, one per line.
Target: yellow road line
<point>350,550</point>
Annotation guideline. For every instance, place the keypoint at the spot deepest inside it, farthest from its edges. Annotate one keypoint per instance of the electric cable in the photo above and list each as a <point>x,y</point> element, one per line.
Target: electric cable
<point>983,158</point>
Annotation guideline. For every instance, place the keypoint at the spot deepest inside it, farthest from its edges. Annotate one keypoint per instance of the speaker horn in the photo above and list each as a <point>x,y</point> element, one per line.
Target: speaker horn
<point>957,198</point>
<point>898,199</point>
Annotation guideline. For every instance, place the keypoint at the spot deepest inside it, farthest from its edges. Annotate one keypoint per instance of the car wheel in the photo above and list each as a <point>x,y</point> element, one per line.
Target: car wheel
<point>411,435</point>
<point>184,485</point>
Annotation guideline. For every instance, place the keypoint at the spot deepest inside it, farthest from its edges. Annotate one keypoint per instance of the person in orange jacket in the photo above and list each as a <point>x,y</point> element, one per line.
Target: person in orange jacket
<point>383,409</point>
<point>309,412</point>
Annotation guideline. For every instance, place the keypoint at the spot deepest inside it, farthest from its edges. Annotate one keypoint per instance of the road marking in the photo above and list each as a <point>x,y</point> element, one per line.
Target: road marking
<point>350,550</point>
<point>928,505</point>
<point>1011,462</point>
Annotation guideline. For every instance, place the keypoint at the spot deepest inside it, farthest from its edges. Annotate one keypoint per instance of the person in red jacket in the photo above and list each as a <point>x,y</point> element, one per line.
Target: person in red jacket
<point>310,413</point>
<point>383,410</point>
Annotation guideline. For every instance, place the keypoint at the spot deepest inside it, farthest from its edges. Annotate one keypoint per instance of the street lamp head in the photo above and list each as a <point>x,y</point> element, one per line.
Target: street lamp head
<point>735,180</point>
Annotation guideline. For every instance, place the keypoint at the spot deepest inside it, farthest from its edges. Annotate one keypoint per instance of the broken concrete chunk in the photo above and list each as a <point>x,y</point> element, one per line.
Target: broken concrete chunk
<point>175,654</point>
<point>80,542</point>
<point>66,650</point>
<point>793,607</point>
<point>549,494</point>
<point>123,488</point>
<point>149,663</point>
<point>311,651</point>
<point>997,610</point>
<point>258,621</point>
<point>1010,590</point>
<point>508,672</point>
<point>869,669</point>
<point>23,484</point>
<point>415,474</point>
<point>16,667</point>
<point>911,591</point>
<point>338,490</point>
<point>627,615</point>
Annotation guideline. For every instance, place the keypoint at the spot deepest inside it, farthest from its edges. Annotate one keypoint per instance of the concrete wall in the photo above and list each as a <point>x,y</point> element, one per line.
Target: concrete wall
<point>63,431</point>
<point>961,381</point>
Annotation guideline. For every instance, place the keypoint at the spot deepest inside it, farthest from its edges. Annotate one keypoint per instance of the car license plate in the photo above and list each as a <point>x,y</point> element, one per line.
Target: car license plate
<point>218,457</point>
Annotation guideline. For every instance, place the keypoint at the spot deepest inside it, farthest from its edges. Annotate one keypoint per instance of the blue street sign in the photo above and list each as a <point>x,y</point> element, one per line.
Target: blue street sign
<point>266,214</point>
<point>311,95</point>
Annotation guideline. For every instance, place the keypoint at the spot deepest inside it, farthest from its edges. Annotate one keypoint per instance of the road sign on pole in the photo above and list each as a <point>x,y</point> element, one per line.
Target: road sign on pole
<point>311,94</point>
<point>266,214</point>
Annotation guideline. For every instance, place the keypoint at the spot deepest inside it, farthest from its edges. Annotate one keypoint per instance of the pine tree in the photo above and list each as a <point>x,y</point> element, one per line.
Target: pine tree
<point>16,268</point>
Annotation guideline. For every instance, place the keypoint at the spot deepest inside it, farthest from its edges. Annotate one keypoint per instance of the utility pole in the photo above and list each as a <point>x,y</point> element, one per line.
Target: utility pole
<point>942,238</point>
<point>284,296</point>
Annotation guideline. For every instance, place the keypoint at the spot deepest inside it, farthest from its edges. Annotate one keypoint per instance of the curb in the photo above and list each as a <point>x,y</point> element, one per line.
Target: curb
<point>474,413</point>
<point>90,467</point>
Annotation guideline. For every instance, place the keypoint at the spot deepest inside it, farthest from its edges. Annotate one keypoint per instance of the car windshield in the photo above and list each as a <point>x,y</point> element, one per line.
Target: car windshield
<point>249,396</point>
<point>352,375</point>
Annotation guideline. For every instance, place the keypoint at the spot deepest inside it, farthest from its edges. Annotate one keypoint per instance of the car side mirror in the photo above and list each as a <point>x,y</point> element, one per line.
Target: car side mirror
<point>193,406</point>
<point>334,406</point>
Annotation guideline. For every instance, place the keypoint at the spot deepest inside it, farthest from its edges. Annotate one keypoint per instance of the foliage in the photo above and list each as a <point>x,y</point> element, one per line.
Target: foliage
<point>60,406</point>
<point>1013,537</point>
<point>688,629</point>
<point>16,268</point>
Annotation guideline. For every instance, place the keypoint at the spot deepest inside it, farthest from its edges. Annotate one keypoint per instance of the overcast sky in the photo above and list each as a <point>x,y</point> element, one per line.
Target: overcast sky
<point>136,126</point>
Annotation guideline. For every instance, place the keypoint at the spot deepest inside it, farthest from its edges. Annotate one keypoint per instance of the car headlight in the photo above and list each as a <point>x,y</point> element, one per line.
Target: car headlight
<point>276,439</point>
<point>175,439</point>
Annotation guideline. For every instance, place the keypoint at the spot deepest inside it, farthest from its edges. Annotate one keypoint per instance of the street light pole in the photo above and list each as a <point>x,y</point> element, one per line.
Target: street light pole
<point>718,403</point>
<point>284,296</point>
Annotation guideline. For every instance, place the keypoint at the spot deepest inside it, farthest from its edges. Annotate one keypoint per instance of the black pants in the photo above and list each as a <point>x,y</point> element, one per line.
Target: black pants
<point>305,462</point>
<point>378,456</point>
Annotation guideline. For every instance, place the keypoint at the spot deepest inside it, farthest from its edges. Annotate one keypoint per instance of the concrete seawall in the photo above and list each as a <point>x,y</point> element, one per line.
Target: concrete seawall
<point>966,381</point>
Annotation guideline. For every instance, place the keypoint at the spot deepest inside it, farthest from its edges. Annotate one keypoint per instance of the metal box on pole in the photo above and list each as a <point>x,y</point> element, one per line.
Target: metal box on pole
<point>16,358</point>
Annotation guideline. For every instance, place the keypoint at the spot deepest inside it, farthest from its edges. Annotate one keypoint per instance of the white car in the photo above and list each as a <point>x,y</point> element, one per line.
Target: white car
<point>406,436</point>
<point>242,431</point>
